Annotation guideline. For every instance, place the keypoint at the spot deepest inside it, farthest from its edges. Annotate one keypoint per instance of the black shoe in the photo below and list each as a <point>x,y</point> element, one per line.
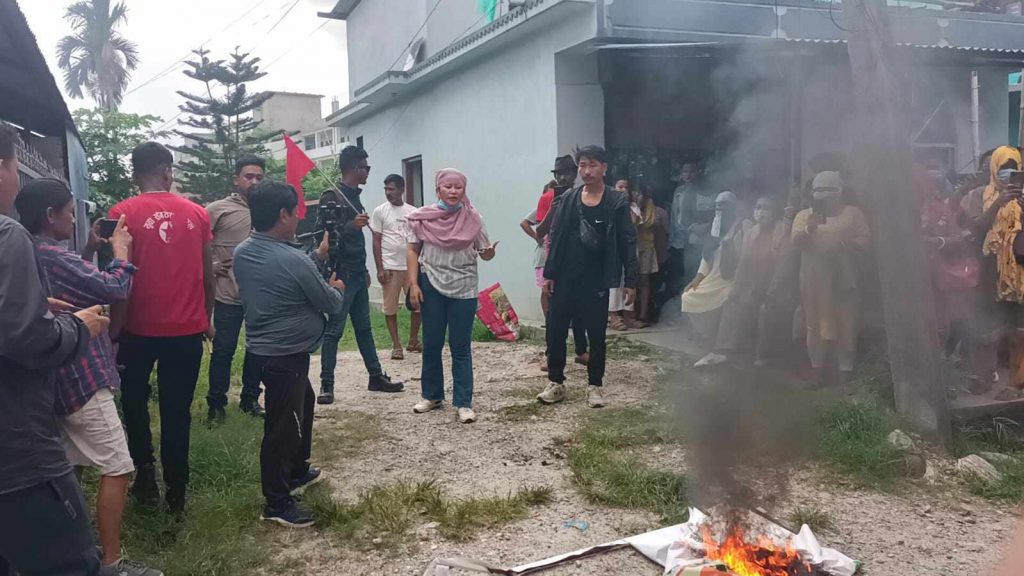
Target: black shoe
<point>311,477</point>
<point>290,516</point>
<point>326,394</point>
<point>215,416</point>
<point>253,408</point>
<point>175,499</point>
<point>145,490</point>
<point>383,383</point>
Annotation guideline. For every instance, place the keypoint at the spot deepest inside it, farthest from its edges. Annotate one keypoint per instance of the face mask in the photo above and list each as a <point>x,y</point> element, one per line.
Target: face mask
<point>760,215</point>
<point>1004,175</point>
<point>716,225</point>
<point>443,206</point>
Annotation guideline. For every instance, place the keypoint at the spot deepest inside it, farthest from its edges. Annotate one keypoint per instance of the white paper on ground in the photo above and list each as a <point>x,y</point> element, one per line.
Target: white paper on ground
<point>672,548</point>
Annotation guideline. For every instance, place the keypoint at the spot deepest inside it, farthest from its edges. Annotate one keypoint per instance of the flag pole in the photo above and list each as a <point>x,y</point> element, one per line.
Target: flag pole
<point>326,179</point>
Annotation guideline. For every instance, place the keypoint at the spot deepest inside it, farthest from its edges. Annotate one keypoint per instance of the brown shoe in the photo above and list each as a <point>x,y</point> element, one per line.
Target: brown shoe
<point>397,354</point>
<point>583,359</point>
<point>414,347</point>
<point>615,322</point>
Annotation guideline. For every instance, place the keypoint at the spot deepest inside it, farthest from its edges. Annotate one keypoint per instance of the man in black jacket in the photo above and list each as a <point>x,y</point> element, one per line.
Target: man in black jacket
<point>350,267</point>
<point>44,525</point>
<point>593,245</point>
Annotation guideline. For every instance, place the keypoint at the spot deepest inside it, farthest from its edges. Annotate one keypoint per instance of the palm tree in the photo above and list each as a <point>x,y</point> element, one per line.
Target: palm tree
<point>96,58</point>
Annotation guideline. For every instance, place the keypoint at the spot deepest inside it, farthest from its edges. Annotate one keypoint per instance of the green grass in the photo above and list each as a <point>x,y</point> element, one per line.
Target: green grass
<point>1003,436</point>
<point>852,441</point>
<point>817,519</point>
<point>385,516</point>
<point>382,338</point>
<point>608,471</point>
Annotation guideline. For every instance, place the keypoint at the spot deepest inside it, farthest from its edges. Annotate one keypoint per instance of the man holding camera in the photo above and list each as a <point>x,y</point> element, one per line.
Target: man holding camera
<point>348,261</point>
<point>230,223</point>
<point>285,301</point>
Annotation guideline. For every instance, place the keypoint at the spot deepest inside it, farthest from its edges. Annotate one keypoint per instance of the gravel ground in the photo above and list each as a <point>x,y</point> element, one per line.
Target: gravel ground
<point>920,533</point>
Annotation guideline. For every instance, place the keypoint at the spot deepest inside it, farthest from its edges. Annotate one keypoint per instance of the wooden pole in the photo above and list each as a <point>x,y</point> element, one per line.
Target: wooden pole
<point>881,160</point>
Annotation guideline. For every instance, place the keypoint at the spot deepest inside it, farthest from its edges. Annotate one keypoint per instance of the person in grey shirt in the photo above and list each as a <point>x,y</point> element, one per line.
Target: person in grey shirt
<point>285,302</point>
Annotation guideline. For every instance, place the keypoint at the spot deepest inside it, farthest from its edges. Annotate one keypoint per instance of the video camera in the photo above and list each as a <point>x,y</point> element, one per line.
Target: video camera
<point>330,214</point>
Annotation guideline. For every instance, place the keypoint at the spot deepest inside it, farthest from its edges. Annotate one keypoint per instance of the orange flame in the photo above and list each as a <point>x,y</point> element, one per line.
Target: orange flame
<point>748,558</point>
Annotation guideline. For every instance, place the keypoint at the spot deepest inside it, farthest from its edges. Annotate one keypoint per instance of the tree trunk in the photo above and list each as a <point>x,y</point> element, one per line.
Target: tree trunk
<point>881,163</point>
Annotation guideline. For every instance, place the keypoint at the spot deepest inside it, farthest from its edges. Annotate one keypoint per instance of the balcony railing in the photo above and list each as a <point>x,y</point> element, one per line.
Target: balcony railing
<point>32,159</point>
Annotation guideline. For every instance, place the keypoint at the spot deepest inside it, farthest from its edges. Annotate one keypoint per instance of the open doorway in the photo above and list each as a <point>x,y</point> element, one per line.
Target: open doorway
<point>413,168</point>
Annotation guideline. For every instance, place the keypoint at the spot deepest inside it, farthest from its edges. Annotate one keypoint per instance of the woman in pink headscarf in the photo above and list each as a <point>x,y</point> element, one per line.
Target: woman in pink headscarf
<point>445,241</point>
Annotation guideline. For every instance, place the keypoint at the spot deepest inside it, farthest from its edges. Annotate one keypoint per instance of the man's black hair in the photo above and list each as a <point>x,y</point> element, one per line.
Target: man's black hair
<point>249,160</point>
<point>350,157</point>
<point>36,198</point>
<point>8,137</point>
<point>266,201</point>
<point>396,179</point>
<point>595,153</point>
<point>149,157</point>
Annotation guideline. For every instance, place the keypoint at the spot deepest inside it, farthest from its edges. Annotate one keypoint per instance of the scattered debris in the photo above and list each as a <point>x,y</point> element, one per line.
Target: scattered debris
<point>901,441</point>
<point>975,466</point>
<point>581,525</point>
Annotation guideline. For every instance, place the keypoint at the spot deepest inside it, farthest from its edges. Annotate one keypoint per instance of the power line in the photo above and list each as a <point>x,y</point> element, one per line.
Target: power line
<point>416,34</point>
<point>177,63</point>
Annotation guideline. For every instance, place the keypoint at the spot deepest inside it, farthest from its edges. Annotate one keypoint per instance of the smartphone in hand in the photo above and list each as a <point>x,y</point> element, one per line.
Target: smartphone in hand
<point>106,227</point>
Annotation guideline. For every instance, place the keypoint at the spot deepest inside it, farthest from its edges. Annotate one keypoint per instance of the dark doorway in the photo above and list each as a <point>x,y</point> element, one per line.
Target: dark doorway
<point>413,168</point>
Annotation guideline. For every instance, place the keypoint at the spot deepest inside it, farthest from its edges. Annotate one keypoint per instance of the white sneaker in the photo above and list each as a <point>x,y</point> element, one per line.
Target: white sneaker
<point>424,406</point>
<point>466,415</point>
<point>553,394</point>
<point>711,359</point>
<point>594,397</point>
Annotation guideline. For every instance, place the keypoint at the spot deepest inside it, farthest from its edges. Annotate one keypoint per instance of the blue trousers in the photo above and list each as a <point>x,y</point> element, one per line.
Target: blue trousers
<point>227,320</point>
<point>454,315</point>
<point>357,306</point>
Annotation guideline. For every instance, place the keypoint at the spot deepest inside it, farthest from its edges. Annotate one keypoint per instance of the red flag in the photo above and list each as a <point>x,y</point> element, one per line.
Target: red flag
<point>296,166</point>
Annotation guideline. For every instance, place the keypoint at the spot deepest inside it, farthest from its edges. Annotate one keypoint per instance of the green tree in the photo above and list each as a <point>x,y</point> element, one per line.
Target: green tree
<point>108,137</point>
<point>95,57</point>
<point>324,178</point>
<point>221,117</point>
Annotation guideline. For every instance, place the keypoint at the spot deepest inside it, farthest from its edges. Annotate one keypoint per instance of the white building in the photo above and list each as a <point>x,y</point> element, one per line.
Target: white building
<point>755,87</point>
<point>299,115</point>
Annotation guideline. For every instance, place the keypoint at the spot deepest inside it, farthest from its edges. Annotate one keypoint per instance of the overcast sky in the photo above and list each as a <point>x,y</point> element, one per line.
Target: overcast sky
<point>303,53</point>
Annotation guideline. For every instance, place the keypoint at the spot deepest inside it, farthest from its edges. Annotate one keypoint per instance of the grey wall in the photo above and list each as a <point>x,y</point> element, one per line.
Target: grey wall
<point>496,121</point>
<point>290,112</point>
<point>378,32</point>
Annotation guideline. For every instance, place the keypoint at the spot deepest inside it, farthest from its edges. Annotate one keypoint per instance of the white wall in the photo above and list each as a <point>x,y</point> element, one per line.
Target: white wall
<point>290,112</point>
<point>495,121</point>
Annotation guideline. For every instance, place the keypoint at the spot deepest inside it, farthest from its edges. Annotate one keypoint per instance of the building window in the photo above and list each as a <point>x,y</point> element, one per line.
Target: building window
<point>326,138</point>
<point>310,142</point>
<point>413,168</point>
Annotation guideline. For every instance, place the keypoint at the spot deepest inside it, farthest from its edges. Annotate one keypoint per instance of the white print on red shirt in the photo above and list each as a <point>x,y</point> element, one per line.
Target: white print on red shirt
<point>166,226</point>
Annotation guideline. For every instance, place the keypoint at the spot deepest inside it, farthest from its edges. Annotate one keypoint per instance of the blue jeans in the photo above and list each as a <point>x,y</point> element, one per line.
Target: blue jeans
<point>227,320</point>
<point>441,313</point>
<point>357,305</point>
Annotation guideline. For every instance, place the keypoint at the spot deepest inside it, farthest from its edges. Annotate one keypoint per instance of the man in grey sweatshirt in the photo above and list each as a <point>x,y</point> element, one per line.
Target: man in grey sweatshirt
<point>286,302</point>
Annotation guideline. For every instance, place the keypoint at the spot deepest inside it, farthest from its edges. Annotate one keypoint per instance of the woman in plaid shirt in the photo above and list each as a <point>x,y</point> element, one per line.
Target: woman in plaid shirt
<point>90,426</point>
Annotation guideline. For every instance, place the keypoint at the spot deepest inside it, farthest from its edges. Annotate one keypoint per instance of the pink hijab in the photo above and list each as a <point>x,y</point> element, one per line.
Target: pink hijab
<point>450,228</point>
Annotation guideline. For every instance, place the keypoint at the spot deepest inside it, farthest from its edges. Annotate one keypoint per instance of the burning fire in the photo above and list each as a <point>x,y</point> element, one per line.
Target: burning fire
<point>761,558</point>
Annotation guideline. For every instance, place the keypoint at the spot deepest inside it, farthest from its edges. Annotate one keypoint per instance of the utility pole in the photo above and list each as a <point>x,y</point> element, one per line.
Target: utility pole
<point>881,161</point>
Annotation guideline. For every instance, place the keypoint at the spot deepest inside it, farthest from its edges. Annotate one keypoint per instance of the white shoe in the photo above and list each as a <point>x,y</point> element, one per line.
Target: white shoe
<point>553,394</point>
<point>594,397</point>
<point>466,415</point>
<point>711,359</point>
<point>424,406</point>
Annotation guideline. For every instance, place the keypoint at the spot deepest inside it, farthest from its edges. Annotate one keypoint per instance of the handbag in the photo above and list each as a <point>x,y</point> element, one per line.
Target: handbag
<point>590,238</point>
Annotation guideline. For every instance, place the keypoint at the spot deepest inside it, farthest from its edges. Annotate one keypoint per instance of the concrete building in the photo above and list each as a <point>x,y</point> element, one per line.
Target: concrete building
<point>300,116</point>
<point>753,87</point>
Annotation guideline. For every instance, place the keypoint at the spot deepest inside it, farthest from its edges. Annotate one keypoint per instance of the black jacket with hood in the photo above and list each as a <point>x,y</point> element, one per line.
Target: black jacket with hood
<point>620,250</point>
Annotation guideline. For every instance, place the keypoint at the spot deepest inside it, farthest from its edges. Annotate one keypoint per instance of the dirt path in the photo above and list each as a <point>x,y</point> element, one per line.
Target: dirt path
<point>497,455</point>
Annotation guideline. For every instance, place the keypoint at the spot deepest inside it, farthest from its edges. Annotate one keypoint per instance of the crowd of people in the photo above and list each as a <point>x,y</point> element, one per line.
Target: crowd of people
<point>162,274</point>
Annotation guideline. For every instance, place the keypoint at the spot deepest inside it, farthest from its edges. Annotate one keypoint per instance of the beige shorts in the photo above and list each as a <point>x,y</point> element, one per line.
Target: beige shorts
<point>398,283</point>
<point>93,437</point>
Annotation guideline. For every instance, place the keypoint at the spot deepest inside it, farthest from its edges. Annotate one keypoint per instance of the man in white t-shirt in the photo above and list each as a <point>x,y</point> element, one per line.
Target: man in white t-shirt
<point>390,236</point>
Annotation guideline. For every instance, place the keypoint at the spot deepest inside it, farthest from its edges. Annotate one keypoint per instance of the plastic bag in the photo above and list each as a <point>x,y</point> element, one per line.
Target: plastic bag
<point>496,312</point>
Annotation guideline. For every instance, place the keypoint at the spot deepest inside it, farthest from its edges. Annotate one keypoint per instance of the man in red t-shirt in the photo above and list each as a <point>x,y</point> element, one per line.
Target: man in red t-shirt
<point>167,317</point>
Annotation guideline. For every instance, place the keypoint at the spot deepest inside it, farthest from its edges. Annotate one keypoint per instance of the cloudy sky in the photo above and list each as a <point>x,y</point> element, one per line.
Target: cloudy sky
<point>300,52</point>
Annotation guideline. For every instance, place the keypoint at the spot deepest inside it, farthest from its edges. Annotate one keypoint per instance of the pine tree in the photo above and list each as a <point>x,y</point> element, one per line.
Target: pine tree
<point>223,123</point>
